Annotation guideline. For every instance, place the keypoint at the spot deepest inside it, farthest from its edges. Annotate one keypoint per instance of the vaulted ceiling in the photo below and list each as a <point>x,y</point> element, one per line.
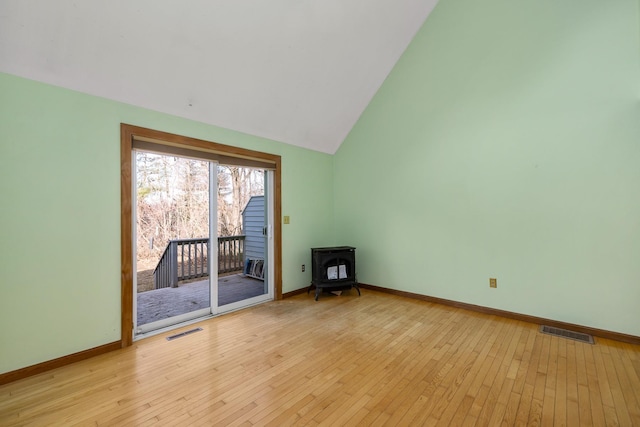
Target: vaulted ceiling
<point>296,71</point>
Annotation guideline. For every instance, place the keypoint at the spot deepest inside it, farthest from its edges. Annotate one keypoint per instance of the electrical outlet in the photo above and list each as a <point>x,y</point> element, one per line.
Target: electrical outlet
<point>493,283</point>
<point>303,268</point>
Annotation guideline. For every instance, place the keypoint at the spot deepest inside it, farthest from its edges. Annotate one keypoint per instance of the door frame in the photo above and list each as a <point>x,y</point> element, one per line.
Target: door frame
<point>131,133</point>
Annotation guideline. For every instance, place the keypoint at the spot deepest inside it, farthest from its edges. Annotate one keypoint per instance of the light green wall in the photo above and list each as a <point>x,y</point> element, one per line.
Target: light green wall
<point>60,215</point>
<point>505,143</point>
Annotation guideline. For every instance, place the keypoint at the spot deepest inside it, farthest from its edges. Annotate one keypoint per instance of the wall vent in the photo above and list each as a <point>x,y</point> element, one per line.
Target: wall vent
<point>182,334</point>
<point>564,333</point>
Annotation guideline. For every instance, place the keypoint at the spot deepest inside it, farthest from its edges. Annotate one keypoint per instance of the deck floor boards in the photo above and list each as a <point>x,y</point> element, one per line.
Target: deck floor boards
<point>163,303</point>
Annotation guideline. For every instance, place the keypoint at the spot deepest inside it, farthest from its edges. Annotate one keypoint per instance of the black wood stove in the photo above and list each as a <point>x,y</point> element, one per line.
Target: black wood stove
<point>333,268</point>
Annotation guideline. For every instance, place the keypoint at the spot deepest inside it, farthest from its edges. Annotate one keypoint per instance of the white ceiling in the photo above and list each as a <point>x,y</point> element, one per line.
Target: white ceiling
<point>296,71</point>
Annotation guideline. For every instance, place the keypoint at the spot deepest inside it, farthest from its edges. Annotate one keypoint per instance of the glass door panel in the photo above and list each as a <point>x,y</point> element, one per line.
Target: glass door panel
<point>243,227</point>
<point>173,253</point>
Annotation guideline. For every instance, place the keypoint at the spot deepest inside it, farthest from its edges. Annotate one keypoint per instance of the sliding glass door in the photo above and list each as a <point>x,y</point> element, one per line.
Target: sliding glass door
<point>203,239</point>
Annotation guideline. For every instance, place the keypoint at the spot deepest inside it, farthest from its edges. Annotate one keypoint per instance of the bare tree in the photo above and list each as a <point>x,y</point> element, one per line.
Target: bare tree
<point>236,185</point>
<point>173,200</point>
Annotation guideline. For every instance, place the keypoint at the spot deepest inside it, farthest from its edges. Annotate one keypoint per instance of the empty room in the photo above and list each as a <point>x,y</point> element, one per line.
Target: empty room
<point>394,212</point>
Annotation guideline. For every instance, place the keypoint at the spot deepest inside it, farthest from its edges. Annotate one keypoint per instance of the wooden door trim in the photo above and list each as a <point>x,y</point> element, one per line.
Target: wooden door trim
<point>127,135</point>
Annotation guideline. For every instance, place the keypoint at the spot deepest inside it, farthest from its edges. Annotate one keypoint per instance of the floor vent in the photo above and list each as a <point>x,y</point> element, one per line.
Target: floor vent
<point>564,333</point>
<point>182,334</point>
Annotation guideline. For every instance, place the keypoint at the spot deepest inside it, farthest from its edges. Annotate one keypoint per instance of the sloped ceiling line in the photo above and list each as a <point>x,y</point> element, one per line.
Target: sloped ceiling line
<point>298,72</point>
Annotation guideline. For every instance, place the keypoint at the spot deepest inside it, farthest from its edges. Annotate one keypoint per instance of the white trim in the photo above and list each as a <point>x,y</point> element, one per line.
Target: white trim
<point>171,327</point>
<point>174,321</point>
<point>270,241</point>
<point>134,240</point>
<point>213,237</point>
<point>244,303</point>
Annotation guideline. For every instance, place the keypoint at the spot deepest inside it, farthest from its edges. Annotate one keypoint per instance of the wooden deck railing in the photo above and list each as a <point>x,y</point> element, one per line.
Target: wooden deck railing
<point>230,254</point>
<point>185,259</point>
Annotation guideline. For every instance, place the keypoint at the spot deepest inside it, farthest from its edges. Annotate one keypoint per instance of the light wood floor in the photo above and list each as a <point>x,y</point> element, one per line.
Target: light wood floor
<point>371,360</point>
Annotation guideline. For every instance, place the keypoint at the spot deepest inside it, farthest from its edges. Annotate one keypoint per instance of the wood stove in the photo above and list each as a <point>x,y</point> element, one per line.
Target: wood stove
<point>333,268</point>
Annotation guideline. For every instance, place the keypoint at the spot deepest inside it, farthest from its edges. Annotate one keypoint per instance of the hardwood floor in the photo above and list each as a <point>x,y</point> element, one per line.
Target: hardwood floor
<point>377,359</point>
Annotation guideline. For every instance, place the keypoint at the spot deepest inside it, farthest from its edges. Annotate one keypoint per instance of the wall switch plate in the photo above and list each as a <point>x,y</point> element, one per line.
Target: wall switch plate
<point>303,268</point>
<point>493,283</point>
<point>286,219</point>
